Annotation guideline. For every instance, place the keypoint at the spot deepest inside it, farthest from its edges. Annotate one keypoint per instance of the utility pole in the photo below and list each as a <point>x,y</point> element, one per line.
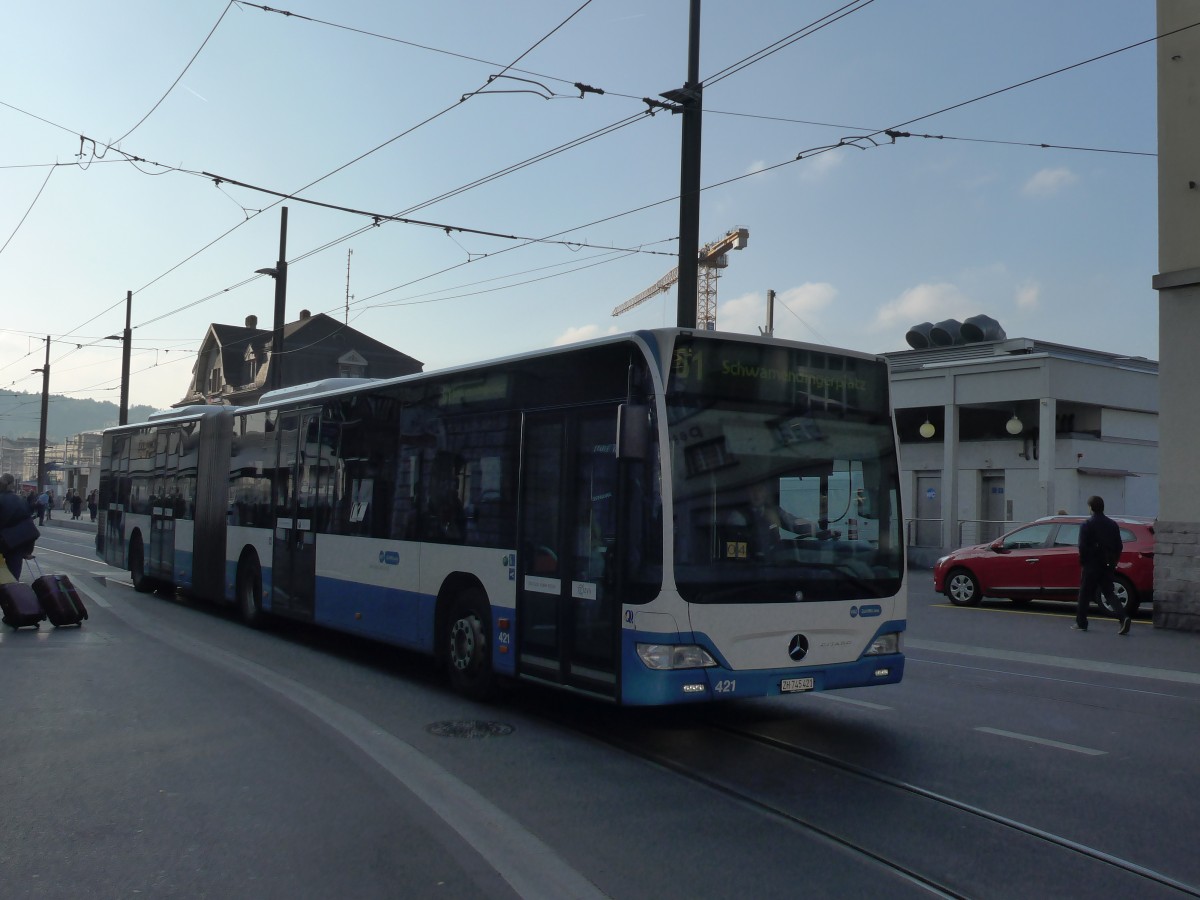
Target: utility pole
<point>349,253</point>
<point>126,336</point>
<point>690,97</point>
<point>45,370</point>
<point>769,331</point>
<point>279,273</point>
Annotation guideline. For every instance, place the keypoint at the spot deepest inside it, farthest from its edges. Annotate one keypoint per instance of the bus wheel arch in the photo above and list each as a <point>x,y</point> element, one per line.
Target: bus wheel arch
<point>249,589</point>
<point>137,565</point>
<point>464,629</point>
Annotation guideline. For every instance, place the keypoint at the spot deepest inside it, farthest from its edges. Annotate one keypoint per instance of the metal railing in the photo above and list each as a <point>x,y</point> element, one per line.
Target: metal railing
<point>928,532</point>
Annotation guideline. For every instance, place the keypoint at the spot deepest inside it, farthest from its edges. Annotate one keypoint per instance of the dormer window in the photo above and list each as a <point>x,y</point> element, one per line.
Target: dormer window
<point>351,365</point>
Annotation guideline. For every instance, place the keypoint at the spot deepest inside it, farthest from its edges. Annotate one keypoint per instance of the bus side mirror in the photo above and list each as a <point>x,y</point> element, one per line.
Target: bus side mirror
<point>633,431</point>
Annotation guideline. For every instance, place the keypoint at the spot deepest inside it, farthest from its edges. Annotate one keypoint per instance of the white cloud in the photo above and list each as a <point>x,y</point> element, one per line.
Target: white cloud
<point>755,167</point>
<point>819,167</point>
<point>1048,182</point>
<point>1028,296</point>
<point>575,334</point>
<point>742,314</point>
<point>748,313</point>
<point>923,303</point>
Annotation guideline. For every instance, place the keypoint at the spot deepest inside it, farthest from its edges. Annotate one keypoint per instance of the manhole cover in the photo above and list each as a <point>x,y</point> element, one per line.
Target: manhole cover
<point>470,729</point>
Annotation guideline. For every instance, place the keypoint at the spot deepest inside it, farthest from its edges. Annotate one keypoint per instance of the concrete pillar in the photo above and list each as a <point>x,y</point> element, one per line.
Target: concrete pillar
<point>1177,553</point>
<point>1047,439</point>
<point>950,474</point>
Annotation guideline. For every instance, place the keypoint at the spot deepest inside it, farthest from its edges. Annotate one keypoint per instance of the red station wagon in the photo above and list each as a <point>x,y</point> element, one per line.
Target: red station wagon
<point>1040,561</point>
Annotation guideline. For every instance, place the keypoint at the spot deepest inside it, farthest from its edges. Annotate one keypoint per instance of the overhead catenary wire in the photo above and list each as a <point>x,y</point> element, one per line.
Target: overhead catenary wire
<point>813,151</point>
<point>358,158</point>
<point>203,44</point>
<point>26,215</point>
<point>810,29</point>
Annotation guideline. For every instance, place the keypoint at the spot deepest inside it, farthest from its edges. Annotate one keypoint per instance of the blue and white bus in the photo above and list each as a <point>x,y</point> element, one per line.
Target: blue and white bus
<point>661,517</point>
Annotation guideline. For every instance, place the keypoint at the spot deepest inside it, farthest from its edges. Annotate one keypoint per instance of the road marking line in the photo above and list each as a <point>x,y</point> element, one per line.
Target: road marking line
<point>1061,662</point>
<point>864,703</point>
<point>1045,742</point>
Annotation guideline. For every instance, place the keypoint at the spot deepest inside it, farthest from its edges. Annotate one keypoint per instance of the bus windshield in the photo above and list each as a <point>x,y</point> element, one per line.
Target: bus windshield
<point>784,474</point>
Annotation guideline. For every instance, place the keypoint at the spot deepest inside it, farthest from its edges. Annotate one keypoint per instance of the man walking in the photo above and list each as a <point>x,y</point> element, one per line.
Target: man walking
<point>1099,551</point>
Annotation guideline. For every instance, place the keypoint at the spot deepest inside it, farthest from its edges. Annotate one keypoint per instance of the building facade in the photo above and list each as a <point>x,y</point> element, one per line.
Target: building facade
<point>999,432</point>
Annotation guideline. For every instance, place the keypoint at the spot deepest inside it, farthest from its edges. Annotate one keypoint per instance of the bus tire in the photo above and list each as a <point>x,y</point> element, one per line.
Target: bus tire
<point>469,646</point>
<point>249,592</point>
<point>137,567</point>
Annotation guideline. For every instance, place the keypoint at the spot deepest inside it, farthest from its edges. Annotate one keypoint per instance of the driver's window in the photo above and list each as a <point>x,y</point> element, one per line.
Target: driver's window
<point>1028,538</point>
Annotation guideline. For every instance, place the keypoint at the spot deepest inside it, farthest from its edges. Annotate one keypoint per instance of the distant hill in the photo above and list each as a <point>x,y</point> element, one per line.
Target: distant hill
<point>21,415</point>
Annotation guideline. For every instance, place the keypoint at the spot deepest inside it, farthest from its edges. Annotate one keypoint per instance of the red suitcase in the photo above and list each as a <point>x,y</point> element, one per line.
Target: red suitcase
<point>59,599</point>
<point>20,605</point>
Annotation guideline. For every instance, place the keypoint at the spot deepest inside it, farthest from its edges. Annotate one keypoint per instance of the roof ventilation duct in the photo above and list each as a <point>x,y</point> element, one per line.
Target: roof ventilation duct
<point>982,328</point>
<point>946,333</point>
<point>918,336</point>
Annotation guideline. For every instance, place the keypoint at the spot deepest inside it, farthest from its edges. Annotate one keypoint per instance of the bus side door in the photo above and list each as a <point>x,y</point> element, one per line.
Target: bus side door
<point>566,606</point>
<point>160,561</point>
<point>293,550</point>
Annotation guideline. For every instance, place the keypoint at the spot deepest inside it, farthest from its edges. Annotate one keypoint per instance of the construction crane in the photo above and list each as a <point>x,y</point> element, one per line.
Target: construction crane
<point>712,258</point>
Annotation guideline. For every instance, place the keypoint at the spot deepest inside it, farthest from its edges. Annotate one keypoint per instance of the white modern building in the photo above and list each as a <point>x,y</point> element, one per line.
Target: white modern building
<point>997,432</point>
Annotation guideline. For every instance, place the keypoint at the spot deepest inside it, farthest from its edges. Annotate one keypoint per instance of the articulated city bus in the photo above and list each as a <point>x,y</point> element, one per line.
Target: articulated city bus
<point>661,517</point>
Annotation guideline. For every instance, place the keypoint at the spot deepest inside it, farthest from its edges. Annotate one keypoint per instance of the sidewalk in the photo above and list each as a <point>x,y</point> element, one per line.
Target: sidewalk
<point>64,520</point>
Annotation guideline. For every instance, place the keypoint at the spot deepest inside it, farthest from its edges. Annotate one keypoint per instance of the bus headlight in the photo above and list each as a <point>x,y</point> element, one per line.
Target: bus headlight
<point>885,643</point>
<point>674,656</point>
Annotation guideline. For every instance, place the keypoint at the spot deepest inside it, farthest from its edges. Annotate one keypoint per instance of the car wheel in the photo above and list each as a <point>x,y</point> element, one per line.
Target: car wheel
<point>1126,596</point>
<point>963,588</point>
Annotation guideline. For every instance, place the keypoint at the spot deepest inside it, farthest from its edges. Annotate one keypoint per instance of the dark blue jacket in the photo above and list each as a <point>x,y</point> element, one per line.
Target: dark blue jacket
<point>1099,543</point>
<point>13,509</point>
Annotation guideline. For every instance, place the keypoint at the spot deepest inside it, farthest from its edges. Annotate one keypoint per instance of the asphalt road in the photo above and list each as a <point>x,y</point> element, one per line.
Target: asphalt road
<point>165,749</point>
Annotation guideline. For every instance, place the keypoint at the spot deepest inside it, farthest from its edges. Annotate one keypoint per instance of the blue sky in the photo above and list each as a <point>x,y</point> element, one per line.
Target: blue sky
<point>364,109</point>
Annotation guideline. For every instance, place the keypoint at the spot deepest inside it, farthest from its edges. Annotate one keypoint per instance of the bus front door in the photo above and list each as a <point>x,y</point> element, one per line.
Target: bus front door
<point>566,608</point>
<point>293,551</point>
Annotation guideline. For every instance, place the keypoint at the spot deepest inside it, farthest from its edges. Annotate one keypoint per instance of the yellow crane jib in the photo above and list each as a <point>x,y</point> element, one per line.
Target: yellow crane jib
<point>711,258</point>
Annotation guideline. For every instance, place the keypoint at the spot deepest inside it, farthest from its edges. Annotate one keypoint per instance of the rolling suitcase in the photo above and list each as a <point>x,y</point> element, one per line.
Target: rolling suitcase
<point>20,605</point>
<point>58,598</point>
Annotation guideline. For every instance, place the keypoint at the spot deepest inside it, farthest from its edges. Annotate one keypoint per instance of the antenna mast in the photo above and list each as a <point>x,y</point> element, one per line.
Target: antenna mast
<point>349,253</point>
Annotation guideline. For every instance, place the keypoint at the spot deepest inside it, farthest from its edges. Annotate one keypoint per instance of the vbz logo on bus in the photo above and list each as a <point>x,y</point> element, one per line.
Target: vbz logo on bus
<point>389,557</point>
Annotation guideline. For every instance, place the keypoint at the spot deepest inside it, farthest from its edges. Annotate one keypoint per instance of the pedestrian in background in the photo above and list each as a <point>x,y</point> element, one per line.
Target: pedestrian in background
<point>1099,552</point>
<point>92,505</point>
<point>76,505</point>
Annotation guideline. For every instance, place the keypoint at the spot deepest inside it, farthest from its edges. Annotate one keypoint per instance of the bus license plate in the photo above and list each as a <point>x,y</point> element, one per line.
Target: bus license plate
<point>792,685</point>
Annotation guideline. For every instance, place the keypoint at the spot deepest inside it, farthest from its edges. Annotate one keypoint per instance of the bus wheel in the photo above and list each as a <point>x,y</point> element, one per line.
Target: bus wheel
<point>469,651</point>
<point>137,568</point>
<point>249,592</point>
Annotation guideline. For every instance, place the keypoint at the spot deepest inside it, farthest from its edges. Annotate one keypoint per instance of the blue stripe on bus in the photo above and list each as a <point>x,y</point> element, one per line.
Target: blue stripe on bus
<point>183,568</point>
<point>404,618</point>
<point>386,614</point>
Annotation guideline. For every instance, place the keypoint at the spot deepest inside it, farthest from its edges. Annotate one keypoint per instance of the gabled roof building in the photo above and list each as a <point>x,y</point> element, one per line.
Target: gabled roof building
<point>234,364</point>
